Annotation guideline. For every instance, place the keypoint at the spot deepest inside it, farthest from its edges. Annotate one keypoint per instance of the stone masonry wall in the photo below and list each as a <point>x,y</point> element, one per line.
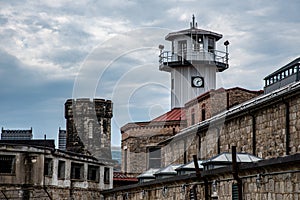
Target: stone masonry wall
<point>136,142</point>
<point>265,182</point>
<point>89,127</point>
<point>268,122</point>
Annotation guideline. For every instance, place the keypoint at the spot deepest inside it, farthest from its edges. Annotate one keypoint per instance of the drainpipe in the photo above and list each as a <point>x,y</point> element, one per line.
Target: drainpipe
<point>184,153</point>
<point>297,75</point>
<point>198,174</point>
<point>287,127</point>
<point>235,173</point>
<point>253,134</point>
<point>218,140</point>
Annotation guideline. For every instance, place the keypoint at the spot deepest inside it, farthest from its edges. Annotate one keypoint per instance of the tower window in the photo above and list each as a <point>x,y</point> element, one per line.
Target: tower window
<point>211,44</point>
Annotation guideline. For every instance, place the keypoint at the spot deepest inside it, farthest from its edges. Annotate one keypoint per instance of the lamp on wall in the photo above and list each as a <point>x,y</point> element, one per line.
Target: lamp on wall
<point>214,190</point>
<point>258,180</point>
<point>125,196</point>
<point>143,194</point>
<point>183,188</point>
<point>164,191</point>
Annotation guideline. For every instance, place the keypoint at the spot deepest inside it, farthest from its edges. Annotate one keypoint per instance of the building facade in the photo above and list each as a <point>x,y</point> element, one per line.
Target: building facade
<point>31,172</point>
<point>264,124</point>
<point>140,150</point>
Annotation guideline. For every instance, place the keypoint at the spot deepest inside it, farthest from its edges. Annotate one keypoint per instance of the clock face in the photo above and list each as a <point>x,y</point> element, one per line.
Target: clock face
<point>197,81</point>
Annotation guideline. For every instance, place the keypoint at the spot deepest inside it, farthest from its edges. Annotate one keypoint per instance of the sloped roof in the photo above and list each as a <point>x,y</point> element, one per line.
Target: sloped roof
<point>227,158</point>
<point>170,169</point>
<point>148,174</point>
<point>193,30</point>
<point>190,165</point>
<point>176,114</point>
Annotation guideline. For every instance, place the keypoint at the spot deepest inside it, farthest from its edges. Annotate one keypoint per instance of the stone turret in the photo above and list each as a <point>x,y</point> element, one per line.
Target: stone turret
<point>89,127</point>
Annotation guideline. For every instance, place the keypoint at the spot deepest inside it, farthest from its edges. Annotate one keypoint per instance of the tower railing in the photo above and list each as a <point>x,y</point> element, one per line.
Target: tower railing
<point>167,57</point>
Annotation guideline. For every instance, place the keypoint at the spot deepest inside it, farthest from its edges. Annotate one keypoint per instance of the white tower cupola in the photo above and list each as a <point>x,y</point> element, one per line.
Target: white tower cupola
<point>193,62</point>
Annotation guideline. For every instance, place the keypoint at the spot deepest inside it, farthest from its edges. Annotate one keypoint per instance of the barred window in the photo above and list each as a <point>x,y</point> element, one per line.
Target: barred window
<point>77,171</point>
<point>93,173</point>
<point>61,169</point>
<point>106,175</point>
<point>48,167</point>
<point>8,163</point>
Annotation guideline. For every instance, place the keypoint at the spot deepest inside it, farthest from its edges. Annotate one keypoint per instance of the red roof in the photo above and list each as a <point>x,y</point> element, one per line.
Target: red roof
<point>175,114</point>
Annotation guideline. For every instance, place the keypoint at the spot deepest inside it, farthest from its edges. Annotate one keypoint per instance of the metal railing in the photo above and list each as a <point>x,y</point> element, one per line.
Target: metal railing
<point>213,55</point>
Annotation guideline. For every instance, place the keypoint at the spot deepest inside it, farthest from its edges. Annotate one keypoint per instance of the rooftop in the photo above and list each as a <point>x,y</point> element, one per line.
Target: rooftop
<point>176,114</point>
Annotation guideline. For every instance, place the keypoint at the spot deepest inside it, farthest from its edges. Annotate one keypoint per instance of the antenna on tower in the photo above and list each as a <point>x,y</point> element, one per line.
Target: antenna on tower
<point>193,24</point>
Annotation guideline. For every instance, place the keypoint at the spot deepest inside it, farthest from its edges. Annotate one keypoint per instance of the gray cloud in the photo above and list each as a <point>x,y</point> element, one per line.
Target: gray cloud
<point>47,45</point>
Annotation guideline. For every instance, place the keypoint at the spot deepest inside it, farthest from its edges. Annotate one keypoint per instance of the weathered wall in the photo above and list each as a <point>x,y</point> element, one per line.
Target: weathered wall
<point>278,179</point>
<point>216,101</point>
<point>136,141</point>
<point>89,127</point>
<point>261,131</point>
<point>47,193</point>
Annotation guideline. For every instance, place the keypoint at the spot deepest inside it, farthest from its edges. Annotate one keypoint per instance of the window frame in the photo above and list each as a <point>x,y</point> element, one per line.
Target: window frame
<point>91,169</point>
<point>106,175</point>
<point>48,167</point>
<point>11,160</point>
<point>73,174</point>
<point>61,170</point>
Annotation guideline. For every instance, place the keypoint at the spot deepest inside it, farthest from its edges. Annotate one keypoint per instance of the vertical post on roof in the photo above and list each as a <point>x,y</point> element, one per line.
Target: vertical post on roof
<point>235,173</point>
<point>198,173</point>
<point>196,166</point>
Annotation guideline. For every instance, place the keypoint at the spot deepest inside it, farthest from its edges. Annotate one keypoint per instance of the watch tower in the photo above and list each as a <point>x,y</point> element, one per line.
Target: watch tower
<point>193,62</point>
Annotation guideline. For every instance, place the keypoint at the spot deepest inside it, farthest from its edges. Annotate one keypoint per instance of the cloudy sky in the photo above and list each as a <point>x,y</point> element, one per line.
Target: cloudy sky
<point>52,50</point>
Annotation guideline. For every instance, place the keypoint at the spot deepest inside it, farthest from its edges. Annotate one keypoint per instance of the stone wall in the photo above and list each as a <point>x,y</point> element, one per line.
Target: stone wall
<point>47,193</point>
<point>269,179</point>
<point>89,127</point>
<point>261,130</point>
<point>216,101</point>
<point>137,138</point>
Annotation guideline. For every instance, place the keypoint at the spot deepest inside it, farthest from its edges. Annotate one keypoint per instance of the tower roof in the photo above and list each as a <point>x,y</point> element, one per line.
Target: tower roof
<point>193,30</point>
